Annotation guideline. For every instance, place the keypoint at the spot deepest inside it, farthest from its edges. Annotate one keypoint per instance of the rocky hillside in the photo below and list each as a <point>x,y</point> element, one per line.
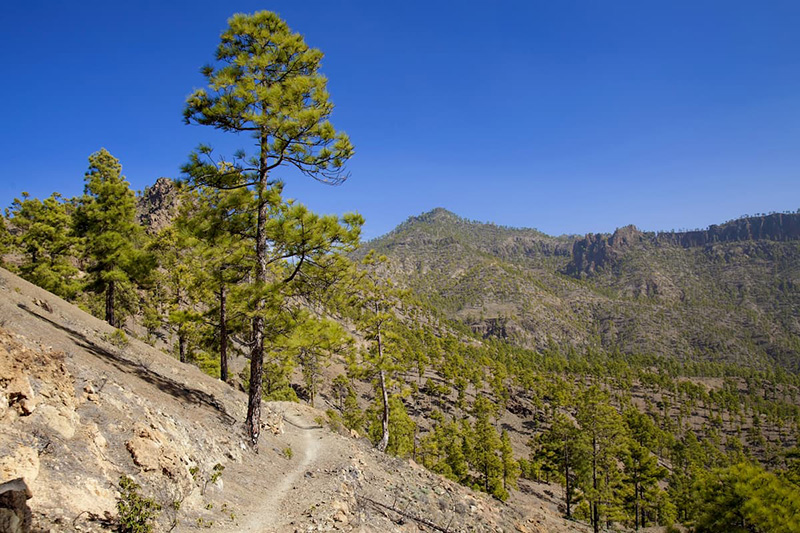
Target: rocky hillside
<point>157,205</point>
<point>81,405</point>
<point>728,293</point>
<point>597,251</point>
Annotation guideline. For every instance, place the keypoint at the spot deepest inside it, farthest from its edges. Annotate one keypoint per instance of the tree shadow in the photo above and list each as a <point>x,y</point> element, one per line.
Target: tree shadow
<point>171,387</point>
<point>531,425</point>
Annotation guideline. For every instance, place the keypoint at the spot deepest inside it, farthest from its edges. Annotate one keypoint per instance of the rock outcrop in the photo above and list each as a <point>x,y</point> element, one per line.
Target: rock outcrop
<point>157,205</point>
<point>775,227</point>
<point>598,251</point>
<point>15,515</point>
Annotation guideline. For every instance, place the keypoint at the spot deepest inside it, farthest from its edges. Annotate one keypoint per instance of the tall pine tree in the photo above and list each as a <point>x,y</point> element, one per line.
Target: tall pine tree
<point>106,218</point>
<point>222,229</point>
<point>487,443</point>
<point>601,440</point>
<point>372,300</point>
<point>266,83</point>
<point>46,240</point>
<point>558,448</point>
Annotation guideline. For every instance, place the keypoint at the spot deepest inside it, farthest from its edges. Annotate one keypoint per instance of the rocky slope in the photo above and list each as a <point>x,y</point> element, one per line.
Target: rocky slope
<point>81,405</point>
<point>728,293</point>
<point>157,205</point>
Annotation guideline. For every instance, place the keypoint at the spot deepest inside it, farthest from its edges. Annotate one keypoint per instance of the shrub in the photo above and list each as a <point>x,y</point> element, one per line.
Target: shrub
<point>135,512</point>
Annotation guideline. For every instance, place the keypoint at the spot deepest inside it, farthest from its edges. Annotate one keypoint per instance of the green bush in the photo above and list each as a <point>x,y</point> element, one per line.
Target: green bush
<point>117,338</point>
<point>135,512</point>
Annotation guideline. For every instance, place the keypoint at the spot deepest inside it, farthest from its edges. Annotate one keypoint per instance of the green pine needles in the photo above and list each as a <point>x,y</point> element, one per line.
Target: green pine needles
<point>266,83</point>
<point>47,242</point>
<point>106,220</point>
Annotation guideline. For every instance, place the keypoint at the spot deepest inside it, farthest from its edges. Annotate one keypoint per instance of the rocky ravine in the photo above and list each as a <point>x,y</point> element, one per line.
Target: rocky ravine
<point>80,406</point>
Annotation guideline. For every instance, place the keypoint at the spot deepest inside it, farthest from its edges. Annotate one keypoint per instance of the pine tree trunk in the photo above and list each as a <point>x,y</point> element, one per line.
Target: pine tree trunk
<point>608,483</point>
<point>485,473</point>
<point>385,419</point>
<point>110,303</point>
<point>182,346</point>
<point>253,421</point>
<point>416,432</point>
<point>312,389</point>
<point>595,510</point>
<point>223,335</point>
<point>384,442</point>
<point>566,481</point>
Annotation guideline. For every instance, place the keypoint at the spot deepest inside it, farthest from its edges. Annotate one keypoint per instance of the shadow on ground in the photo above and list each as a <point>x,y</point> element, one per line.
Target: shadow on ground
<point>178,390</point>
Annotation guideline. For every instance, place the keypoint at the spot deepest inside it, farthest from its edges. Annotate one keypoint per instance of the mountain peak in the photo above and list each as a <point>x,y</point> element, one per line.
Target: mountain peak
<point>438,213</point>
<point>436,216</point>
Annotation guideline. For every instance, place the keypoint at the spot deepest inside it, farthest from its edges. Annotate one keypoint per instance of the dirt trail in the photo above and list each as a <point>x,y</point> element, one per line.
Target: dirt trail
<point>269,518</point>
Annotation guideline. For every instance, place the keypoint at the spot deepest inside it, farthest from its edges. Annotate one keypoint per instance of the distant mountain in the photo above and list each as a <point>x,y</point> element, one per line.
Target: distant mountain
<point>729,293</point>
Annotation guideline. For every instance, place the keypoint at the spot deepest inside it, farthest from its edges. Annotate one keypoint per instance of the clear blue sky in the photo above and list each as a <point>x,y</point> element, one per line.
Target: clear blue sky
<point>567,116</point>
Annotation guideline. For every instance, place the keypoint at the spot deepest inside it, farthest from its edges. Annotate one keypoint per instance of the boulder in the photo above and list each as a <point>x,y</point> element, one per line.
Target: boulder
<point>150,451</point>
<point>19,395</point>
<point>23,464</point>
<point>15,515</point>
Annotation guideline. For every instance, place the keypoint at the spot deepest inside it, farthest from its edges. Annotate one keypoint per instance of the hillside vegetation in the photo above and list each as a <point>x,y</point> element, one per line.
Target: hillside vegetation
<point>440,367</point>
<point>728,294</point>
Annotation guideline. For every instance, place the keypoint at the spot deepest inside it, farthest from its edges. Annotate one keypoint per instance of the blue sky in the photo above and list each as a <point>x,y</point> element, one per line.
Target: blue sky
<point>567,116</point>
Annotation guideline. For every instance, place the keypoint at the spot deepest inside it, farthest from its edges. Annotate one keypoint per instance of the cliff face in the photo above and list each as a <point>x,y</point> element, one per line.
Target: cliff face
<point>597,251</point>
<point>157,205</point>
<point>775,227</point>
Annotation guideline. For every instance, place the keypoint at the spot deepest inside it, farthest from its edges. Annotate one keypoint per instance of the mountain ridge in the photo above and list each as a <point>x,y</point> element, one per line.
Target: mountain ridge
<point>725,293</point>
<point>772,226</point>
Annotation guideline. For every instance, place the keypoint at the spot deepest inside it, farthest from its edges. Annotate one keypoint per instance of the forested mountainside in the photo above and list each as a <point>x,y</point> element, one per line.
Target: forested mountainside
<point>444,374</point>
<point>729,293</point>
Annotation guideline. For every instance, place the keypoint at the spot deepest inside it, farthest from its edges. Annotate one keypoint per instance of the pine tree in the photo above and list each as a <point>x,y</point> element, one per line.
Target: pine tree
<point>455,456</point>
<point>106,218</point>
<point>267,84</point>
<point>47,243</point>
<point>559,451</point>
<point>222,230</point>
<point>352,415</point>
<point>5,239</point>
<point>313,343</point>
<point>401,427</point>
<point>642,471</point>
<point>485,452</point>
<point>373,301</point>
<point>688,461</point>
<point>643,474</point>
<point>179,268</point>
<point>601,437</point>
<point>279,365</point>
<point>745,498</point>
<point>511,470</point>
